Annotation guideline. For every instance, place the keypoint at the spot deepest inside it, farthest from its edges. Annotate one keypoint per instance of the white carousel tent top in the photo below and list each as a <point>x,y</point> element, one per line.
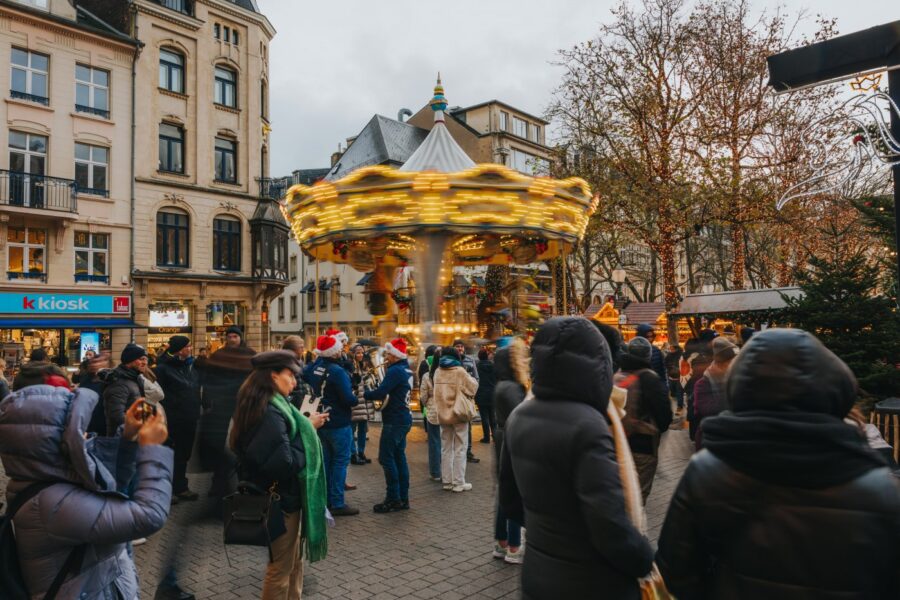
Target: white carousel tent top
<point>439,152</point>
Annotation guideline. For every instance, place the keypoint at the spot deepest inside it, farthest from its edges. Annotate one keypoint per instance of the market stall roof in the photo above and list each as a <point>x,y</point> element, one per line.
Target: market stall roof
<point>737,301</point>
<point>644,312</point>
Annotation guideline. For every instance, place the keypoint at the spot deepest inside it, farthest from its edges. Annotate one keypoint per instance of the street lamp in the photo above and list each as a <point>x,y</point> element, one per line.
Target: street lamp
<point>618,276</point>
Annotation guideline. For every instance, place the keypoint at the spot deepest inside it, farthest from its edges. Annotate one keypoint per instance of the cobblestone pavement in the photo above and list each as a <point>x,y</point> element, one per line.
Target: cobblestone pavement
<point>439,548</point>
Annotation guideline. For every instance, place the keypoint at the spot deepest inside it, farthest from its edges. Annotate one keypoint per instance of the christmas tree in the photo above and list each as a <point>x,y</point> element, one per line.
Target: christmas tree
<point>844,307</point>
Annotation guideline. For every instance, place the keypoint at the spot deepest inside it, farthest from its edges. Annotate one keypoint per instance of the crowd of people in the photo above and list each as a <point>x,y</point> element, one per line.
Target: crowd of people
<point>790,494</point>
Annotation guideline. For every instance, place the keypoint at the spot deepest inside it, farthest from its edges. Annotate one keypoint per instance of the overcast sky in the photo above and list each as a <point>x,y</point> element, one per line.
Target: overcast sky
<point>335,64</point>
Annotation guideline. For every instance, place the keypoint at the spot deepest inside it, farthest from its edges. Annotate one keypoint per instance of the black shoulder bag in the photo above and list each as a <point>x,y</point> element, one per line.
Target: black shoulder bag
<point>253,517</point>
<point>12,584</point>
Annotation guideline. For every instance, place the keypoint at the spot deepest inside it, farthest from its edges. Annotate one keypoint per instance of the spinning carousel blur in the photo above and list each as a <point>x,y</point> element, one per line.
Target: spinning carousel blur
<point>419,229</point>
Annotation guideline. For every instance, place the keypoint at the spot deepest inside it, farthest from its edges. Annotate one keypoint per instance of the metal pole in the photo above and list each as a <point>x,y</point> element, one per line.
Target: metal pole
<point>565,286</point>
<point>331,292</point>
<point>316,338</point>
<point>894,91</point>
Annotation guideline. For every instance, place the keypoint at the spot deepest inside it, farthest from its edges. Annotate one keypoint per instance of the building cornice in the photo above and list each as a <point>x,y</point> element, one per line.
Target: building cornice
<point>62,26</point>
<point>197,188</point>
<point>243,14</point>
<point>168,15</point>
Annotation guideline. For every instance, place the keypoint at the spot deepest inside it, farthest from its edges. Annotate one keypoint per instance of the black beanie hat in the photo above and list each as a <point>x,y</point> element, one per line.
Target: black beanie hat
<point>276,360</point>
<point>235,329</point>
<point>132,352</point>
<point>177,343</point>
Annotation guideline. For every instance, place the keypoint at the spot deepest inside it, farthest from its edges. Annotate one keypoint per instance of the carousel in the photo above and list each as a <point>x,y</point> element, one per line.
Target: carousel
<point>415,229</point>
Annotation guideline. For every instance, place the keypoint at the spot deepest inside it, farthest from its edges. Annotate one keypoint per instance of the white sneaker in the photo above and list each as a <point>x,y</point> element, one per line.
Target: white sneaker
<point>435,478</point>
<point>515,558</point>
<point>462,488</point>
<point>499,551</point>
<point>139,542</point>
<point>447,487</point>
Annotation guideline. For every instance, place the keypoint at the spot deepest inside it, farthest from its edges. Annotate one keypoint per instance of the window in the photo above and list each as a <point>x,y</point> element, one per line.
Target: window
<point>226,244</point>
<point>264,99</point>
<point>27,163</point>
<point>504,120</point>
<point>217,31</point>
<point>225,160</point>
<point>92,91</point>
<point>26,249</point>
<point>91,257</point>
<point>28,79</point>
<point>171,71</point>
<point>323,297</point>
<point>227,33</point>
<point>336,295</point>
<point>293,271</point>
<point>234,37</point>
<point>520,127</point>
<point>293,307</point>
<point>226,88</point>
<point>281,310</point>
<point>172,238</point>
<point>528,163</point>
<point>536,133</point>
<point>182,6</point>
<point>171,148</point>
<point>41,4</point>
<point>91,163</point>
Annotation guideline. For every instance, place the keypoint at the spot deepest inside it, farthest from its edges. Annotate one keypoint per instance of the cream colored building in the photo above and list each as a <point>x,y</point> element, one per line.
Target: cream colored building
<point>65,181</point>
<point>210,245</point>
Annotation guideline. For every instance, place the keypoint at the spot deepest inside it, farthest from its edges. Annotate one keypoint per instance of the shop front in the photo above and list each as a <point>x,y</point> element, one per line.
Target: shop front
<point>219,317</point>
<point>66,326</point>
<point>165,320</point>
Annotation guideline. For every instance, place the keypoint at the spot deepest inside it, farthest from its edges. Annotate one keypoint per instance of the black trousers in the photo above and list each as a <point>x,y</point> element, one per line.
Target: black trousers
<point>487,420</point>
<point>181,440</point>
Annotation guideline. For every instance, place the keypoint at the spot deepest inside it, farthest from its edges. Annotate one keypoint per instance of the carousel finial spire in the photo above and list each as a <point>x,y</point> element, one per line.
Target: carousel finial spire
<point>439,102</point>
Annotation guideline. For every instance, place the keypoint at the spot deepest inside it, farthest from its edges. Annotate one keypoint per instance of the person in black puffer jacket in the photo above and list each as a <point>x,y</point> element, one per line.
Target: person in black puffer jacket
<point>484,397</point>
<point>513,382</point>
<point>560,478</point>
<point>786,501</point>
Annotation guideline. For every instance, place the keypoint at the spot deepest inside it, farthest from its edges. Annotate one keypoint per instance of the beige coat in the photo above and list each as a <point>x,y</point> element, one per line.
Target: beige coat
<point>448,385</point>
<point>426,398</point>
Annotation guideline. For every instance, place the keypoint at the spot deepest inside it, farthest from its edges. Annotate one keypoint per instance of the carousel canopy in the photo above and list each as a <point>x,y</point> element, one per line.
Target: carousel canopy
<point>495,215</point>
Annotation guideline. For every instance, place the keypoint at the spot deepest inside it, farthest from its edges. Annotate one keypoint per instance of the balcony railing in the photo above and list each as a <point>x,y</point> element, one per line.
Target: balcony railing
<point>37,191</point>
<point>92,111</point>
<point>79,277</point>
<point>183,6</point>
<point>30,97</point>
<point>93,191</point>
<point>36,275</point>
<point>273,188</point>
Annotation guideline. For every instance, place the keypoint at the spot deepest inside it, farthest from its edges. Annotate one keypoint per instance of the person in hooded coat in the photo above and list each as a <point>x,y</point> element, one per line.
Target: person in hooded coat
<point>43,438</point>
<point>786,501</point>
<point>559,476</point>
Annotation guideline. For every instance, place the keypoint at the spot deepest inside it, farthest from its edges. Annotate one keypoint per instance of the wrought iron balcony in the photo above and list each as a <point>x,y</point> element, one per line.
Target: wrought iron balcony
<point>30,97</point>
<point>79,277</point>
<point>37,275</point>
<point>92,111</point>
<point>183,6</point>
<point>37,191</point>
<point>273,188</point>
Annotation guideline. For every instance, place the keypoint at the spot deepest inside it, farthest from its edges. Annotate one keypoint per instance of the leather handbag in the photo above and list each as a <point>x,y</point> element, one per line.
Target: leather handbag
<point>253,517</point>
<point>464,408</point>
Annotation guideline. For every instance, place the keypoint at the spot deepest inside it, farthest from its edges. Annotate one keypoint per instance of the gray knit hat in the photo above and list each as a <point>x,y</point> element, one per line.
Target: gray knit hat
<point>640,347</point>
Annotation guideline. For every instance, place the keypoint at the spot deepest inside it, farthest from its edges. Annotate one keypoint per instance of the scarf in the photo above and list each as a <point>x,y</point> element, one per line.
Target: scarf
<point>631,486</point>
<point>448,362</point>
<point>805,450</point>
<point>312,480</point>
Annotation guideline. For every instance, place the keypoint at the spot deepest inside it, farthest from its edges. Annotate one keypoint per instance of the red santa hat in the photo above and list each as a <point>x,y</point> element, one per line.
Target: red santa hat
<point>396,347</point>
<point>328,347</point>
<point>338,335</point>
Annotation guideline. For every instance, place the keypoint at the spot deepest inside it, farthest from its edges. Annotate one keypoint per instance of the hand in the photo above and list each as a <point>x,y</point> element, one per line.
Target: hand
<point>319,419</point>
<point>132,420</point>
<point>154,430</point>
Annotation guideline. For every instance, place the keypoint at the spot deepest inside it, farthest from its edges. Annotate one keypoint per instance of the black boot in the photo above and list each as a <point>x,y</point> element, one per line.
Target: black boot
<point>355,460</point>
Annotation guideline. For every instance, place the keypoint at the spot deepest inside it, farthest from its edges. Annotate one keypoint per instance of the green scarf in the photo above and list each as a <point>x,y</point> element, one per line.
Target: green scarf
<point>312,480</point>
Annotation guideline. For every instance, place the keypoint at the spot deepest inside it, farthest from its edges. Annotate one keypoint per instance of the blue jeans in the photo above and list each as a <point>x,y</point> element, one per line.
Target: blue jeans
<point>507,530</point>
<point>360,431</point>
<point>392,456</point>
<point>676,390</point>
<point>336,450</point>
<point>434,449</point>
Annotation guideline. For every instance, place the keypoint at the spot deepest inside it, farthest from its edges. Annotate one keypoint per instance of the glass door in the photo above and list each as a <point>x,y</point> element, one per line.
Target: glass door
<point>27,165</point>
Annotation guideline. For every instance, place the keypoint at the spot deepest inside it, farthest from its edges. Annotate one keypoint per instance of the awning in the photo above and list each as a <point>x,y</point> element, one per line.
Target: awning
<point>325,284</point>
<point>69,323</point>
<point>308,287</point>
<point>737,301</point>
<point>365,279</point>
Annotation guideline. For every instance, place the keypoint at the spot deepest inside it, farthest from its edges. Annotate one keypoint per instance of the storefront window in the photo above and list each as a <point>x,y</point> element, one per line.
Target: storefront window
<point>219,317</point>
<point>165,320</point>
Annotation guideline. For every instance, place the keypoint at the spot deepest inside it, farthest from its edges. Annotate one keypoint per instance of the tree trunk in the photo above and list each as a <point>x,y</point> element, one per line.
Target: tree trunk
<point>738,258</point>
<point>670,288</point>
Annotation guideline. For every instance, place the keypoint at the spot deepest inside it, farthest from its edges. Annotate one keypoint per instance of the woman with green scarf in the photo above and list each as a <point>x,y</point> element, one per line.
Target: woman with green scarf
<point>277,446</point>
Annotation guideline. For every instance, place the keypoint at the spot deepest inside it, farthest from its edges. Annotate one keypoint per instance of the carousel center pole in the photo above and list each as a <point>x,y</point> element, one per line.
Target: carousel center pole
<point>316,300</point>
<point>331,296</point>
<point>564,283</point>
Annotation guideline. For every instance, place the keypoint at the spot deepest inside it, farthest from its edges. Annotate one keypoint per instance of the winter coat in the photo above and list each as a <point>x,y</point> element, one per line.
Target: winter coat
<point>221,376</point>
<point>559,476</point>
<point>486,382</point>
<point>4,388</point>
<point>672,362</point>
<point>360,411</point>
<point>511,370</point>
<point>266,454</point>
<point>42,439</point>
<point>450,383</point>
<point>709,399</point>
<point>469,365</point>
<point>657,361</point>
<point>96,383</point>
<point>329,376</point>
<point>180,383</point>
<point>396,387</point>
<point>426,398</point>
<point>644,390</point>
<point>786,501</point>
<point>123,387</point>
<point>35,373</point>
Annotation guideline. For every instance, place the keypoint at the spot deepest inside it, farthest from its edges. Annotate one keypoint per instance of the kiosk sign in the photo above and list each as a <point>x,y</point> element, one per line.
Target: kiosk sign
<point>37,304</point>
